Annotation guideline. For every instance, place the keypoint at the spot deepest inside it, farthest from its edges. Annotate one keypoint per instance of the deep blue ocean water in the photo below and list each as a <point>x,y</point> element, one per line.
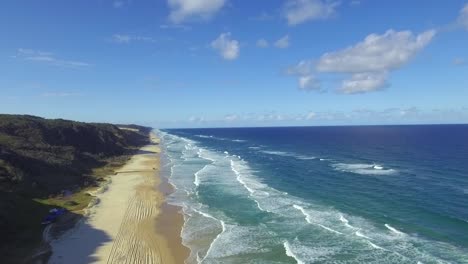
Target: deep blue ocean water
<point>373,194</point>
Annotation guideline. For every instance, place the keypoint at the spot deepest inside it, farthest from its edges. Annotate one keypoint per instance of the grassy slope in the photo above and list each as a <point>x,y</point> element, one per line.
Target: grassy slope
<point>39,158</point>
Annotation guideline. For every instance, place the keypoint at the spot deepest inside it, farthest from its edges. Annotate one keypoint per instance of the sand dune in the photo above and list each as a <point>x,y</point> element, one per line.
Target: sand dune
<point>121,227</point>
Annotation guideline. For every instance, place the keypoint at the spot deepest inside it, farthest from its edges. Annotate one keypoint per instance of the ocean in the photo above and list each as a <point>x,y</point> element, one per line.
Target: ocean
<point>357,194</point>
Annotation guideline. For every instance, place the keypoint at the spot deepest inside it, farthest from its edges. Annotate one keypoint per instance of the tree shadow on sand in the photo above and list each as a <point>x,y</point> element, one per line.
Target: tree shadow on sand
<point>27,241</point>
<point>76,243</point>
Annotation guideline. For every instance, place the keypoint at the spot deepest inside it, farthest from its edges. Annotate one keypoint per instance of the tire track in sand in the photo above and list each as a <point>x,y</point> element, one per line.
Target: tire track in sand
<point>136,241</point>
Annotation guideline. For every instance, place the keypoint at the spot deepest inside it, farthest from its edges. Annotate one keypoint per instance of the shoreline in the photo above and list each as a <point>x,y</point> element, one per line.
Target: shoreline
<point>130,219</point>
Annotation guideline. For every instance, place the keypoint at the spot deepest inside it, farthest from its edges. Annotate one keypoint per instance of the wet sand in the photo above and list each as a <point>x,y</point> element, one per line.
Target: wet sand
<point>131,223</point>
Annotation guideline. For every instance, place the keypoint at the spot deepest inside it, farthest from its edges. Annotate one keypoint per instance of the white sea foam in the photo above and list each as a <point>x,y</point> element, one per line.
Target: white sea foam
<point>374,245</point>
<point>329,229</point>
<point>223,225</point>
<point>288,154</point>
<point>243,182</point>
<point>301,157</point>
<point>307,216</point>
<point>345,221</point>
<point>279,153</point>
<point>394,230</point>
<point>359,234</point>
<point>254,147</point>
<point>202,153</point>
<point>362,168</point>
<point>290,253</point>
<point>203,136</point>
<point>239,179</point>
<point>309,220</point>
<point>196,181</point>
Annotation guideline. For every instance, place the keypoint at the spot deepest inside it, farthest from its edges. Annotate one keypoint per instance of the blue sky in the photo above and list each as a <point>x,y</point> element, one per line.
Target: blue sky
<point>205,63</point>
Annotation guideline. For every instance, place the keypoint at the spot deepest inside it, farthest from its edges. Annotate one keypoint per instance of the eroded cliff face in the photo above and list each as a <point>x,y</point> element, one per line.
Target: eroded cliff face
<point>43,157</point>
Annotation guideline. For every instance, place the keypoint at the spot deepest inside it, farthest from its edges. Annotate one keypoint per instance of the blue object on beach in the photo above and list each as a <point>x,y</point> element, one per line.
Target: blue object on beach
<point>53,215</point>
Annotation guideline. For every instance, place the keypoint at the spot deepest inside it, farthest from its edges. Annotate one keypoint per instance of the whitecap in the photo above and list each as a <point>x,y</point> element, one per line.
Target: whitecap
<point>394,230</point>
<point>254,147</point>
<point>345,221</point>
<point>359,234</point>
<point>308,219</point>
<point>363,168</point>
<point>290,253</point>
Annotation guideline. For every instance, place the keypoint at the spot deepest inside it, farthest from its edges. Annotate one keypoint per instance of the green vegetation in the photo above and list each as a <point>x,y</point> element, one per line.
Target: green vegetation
<point>53,163</point>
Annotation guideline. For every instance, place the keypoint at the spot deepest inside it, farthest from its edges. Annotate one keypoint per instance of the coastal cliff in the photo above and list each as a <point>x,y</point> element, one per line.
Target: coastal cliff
<point>47,163</point>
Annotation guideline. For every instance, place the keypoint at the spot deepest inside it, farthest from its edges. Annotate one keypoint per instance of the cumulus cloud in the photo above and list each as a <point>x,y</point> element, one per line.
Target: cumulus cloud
<point>228,48</point>
<point>126,39</point>
<point>376,52</point>
<point>47,57</point>
<point>463,17</point>
<point>308,83</point>
<point>283,42</point>
<point>304,71</point>
<point>364,82</point>
<point>262,43</point>
<point>368,62</point>
<point>182,10</point>
<point>300,11</point>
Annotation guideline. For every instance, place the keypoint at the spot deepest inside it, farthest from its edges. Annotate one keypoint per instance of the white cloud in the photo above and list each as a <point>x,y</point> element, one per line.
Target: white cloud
<point>182,10</point>
<point>306,80</point>
<point>283,42</point>
<point>126,39</point>
<point>310,116</point>
<point>262,43</point>
<point>304,67</point>
<point>300,11</point>
<point>308,83</point>
<point>230,118</point>
<point>196,119</point>
<point>376,52</point>
<point>47,57</point>
<point>463,17</point>
<point>370,61</point>
<point>227,48</point>
<point>364,82</point>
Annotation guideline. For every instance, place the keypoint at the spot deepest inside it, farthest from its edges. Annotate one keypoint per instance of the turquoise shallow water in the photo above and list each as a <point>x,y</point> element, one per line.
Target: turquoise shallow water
<point>390,194</point>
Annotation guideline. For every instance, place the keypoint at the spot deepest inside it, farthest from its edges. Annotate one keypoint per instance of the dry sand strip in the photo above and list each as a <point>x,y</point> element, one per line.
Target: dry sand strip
<point>122,226</point>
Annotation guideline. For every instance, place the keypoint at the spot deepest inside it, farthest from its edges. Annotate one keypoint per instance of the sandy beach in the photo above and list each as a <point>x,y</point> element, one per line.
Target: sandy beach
<point>130,222</point>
